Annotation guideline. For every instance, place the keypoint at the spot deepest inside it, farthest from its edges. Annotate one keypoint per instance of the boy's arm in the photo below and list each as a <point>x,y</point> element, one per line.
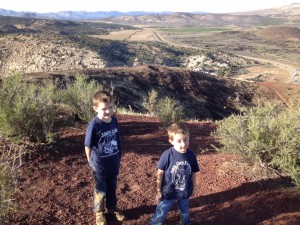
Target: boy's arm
<point>88,152</point>
<point>194,181</point>
<point>160,174</point>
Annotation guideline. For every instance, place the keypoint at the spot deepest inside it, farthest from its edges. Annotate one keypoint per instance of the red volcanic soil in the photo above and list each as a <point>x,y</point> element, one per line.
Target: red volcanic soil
<point>289,94</point>
<point>56,186</point>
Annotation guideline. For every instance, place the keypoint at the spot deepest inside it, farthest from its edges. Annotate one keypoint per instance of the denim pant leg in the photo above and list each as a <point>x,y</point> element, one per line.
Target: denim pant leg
<point>99,193</point>
<point>184,211</point>
<point>111,195</point>
<point>161,212</point>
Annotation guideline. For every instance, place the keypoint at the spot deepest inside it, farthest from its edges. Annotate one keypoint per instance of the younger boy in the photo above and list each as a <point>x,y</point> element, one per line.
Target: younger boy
<point>103,151</point>
<point>176,176</point>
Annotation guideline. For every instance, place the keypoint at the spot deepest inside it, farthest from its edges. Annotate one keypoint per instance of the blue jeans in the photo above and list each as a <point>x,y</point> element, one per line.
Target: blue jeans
<point>164,206</point>
<point>105,193</point>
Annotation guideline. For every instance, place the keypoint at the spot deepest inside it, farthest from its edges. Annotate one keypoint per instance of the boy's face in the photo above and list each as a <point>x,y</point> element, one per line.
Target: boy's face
<point>180,142</point>
<point>104,111</point>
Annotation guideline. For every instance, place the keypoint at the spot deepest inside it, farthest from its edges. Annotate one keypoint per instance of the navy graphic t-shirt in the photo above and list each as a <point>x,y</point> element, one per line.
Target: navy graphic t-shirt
<point>103,138</point>
<point>178,168</point>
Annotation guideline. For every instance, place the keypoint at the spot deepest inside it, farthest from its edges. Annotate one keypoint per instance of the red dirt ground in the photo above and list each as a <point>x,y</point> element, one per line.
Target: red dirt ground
<point>57,187</point>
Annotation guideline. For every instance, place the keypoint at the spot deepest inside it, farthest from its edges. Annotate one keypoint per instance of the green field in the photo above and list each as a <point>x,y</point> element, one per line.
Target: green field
<point>195,29</point>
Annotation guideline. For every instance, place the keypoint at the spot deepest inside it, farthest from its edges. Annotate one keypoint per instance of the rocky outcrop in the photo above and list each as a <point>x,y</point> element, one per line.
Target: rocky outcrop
<point>44,53</point>
<point>211,63</point>
<point>29,53</point>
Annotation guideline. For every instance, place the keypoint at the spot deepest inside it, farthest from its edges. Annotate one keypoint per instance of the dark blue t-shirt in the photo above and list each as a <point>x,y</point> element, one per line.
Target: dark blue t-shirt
<point>104,140</point>
<point>178,168</point>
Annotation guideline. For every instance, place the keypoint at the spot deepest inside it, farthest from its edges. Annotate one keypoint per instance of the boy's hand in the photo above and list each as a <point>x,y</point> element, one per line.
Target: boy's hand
<point>88,151</point>
<point>160,174</point>
<point>158,196</point>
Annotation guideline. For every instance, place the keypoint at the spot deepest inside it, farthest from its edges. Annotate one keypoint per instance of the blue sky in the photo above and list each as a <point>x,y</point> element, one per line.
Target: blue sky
<point>213,6</point>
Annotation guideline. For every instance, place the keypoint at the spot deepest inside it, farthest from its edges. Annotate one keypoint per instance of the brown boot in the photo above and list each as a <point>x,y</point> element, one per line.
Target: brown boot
<point>100,218</point>
<point>119,215</point>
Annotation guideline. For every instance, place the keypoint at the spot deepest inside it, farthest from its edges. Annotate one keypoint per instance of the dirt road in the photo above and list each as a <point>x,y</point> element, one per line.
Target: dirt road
<point>292,70</point>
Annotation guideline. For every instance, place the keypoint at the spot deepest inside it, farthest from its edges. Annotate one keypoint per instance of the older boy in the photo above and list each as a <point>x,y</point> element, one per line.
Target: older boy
<point>176,176</point>
<point>103,151</point>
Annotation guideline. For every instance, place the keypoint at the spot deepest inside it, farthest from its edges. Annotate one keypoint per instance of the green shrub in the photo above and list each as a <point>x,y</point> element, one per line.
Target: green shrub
<point>150,103</point>
<point>27,110</point>
<point>268,134</point>
<point>168,110</point>
<point>78,96</point>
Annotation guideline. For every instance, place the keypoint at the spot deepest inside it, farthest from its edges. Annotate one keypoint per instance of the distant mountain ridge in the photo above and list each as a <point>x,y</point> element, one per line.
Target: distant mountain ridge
<point>285,15</point>
<point>194,20</point>
<point>80,15</point>
<point>292,9</point>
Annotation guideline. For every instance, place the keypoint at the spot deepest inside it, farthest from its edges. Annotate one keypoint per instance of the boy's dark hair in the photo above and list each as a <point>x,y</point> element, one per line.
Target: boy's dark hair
<point>102,96</point>
<point>177,128</point>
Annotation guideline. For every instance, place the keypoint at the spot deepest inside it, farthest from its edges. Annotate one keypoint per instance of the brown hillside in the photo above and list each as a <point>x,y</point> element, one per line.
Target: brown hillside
<point>204,96</point>
<point>280,32</point>
<point>189,20</point>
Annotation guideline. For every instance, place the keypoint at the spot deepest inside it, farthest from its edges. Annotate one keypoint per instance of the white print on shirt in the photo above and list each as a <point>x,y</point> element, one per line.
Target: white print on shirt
<point>180,173</point>
<point>109,143</point>
<point>110,132</point>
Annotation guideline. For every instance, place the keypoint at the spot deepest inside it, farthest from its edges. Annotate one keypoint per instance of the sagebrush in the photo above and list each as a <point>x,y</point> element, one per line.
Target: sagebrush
<point>167,109</point>
<point>77,95</point>
<point>268,134</point>
<point>26,109</point>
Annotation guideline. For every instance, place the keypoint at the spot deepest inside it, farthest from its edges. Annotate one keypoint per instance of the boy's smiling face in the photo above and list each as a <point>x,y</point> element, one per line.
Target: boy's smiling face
<point>104,111</point>
<point>180,142</point>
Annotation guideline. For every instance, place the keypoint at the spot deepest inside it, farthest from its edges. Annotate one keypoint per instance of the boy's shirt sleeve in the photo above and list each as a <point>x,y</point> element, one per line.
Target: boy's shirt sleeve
<point>119,139</point>
<point>163,162</point>
<point>88,136</point>
<point>195,165</point>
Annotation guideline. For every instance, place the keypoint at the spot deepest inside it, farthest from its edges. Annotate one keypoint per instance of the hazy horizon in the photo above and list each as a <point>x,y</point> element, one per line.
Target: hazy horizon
<point>212,6</point>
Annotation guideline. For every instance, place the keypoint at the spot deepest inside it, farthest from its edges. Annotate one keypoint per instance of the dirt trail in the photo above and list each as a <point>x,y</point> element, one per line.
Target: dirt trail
<point>277,90</point>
